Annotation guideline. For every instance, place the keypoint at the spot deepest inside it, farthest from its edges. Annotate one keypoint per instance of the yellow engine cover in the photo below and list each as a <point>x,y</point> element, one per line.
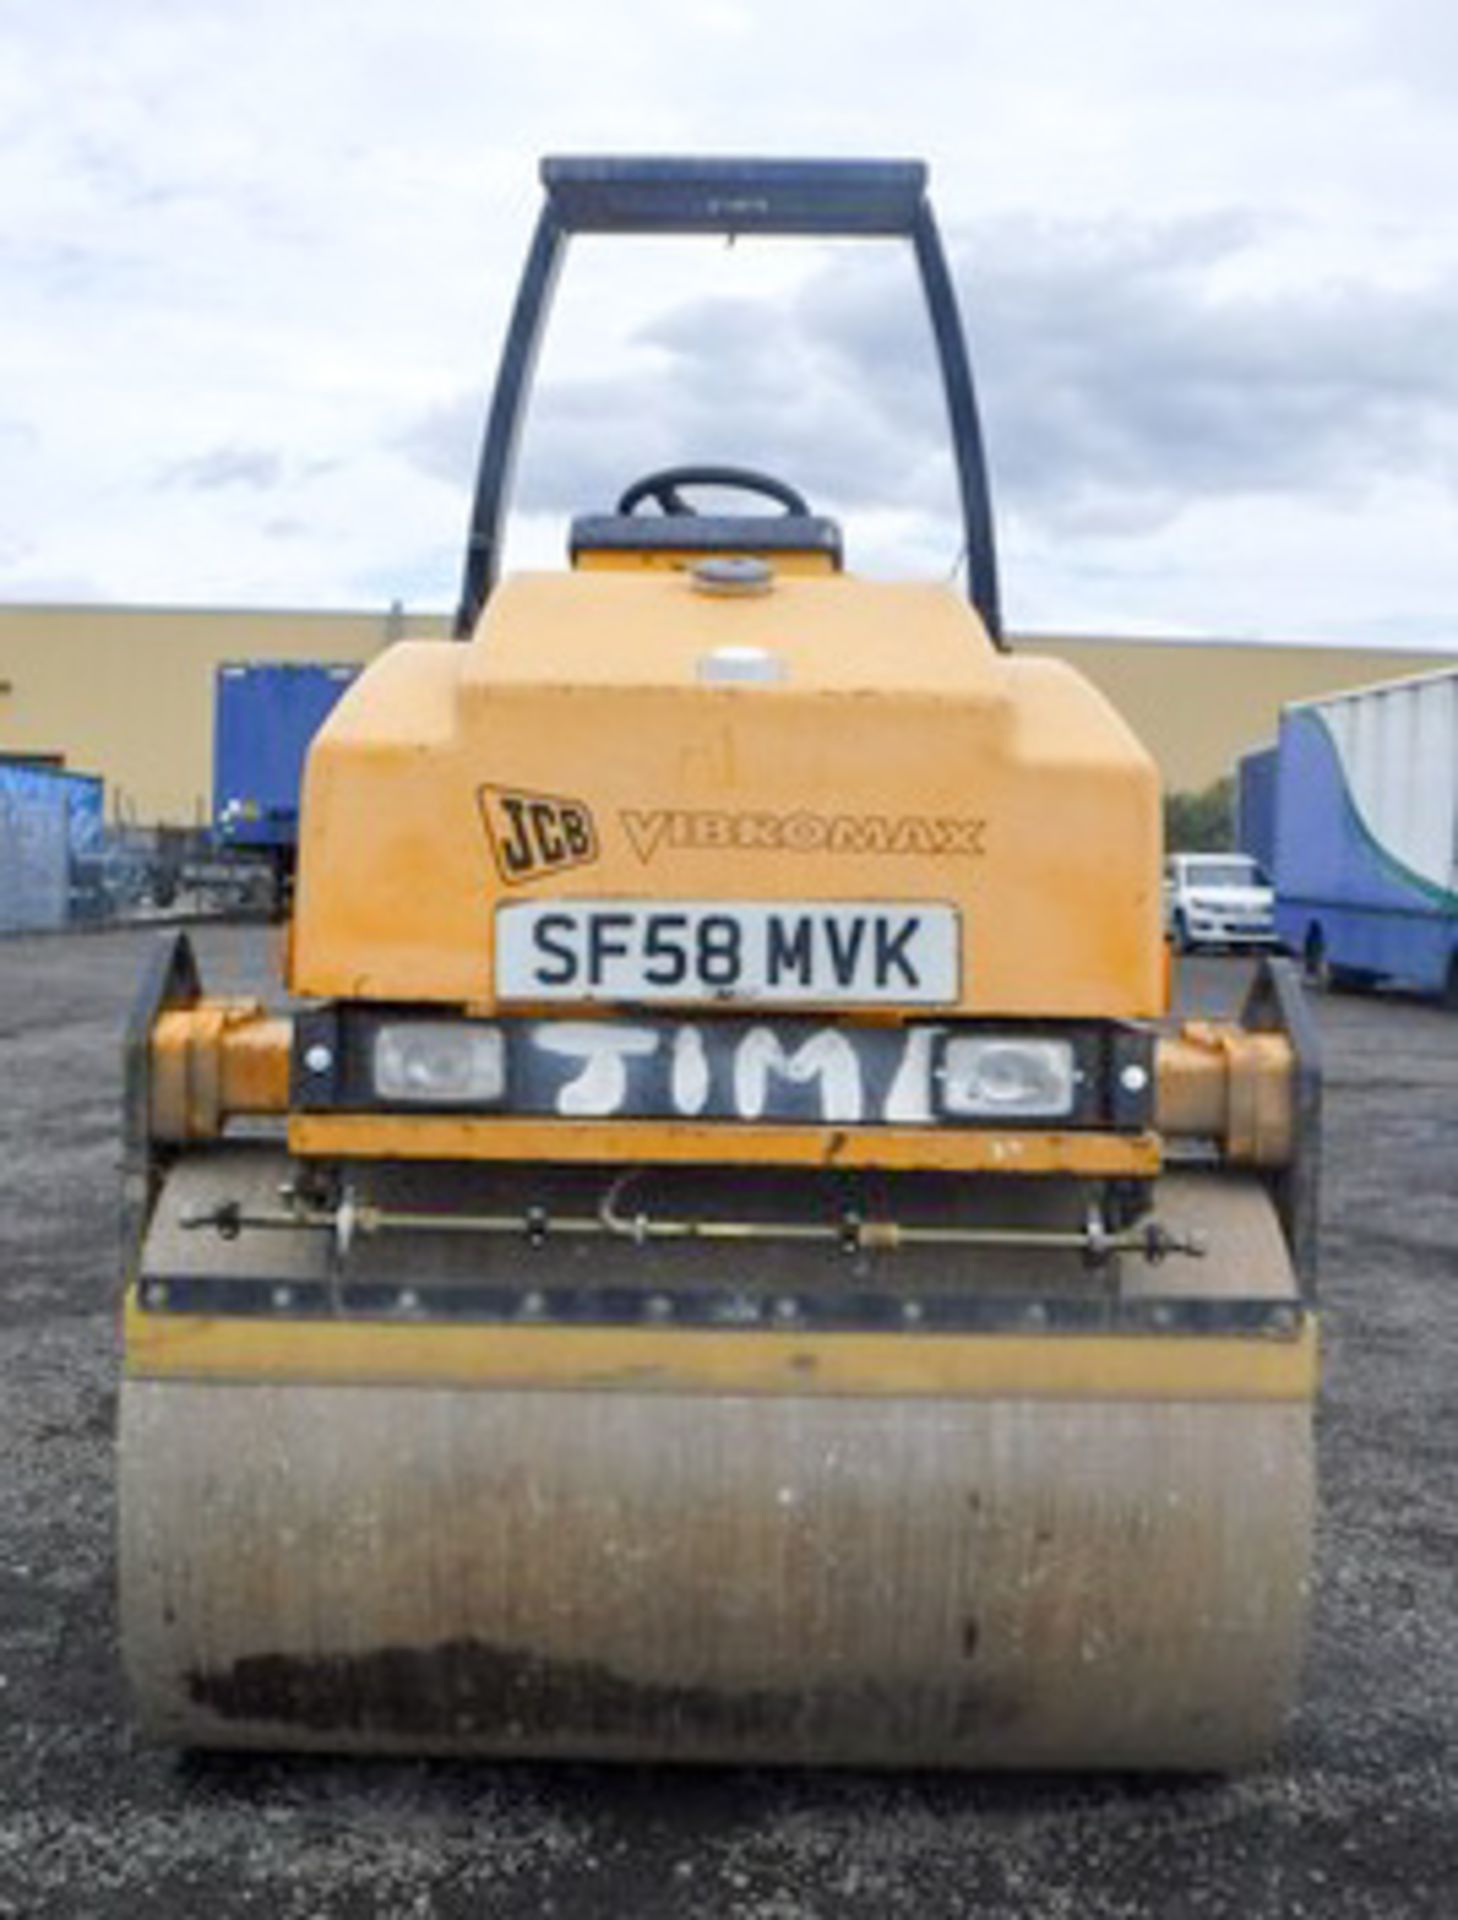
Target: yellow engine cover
<point>593,741</point>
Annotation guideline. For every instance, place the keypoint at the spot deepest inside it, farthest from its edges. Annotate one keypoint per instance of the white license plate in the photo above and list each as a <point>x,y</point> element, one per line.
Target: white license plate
<point>762,951</point>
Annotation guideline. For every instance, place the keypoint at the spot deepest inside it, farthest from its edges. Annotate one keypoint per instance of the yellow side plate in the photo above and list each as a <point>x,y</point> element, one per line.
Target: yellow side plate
<point>1059,1366</point>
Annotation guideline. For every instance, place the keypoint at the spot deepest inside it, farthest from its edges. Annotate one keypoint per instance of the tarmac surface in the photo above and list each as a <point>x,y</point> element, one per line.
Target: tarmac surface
<point>1356,1815</point>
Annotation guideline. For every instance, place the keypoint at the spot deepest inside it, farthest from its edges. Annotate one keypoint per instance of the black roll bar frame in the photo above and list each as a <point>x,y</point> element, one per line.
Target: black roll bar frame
<point>869,198</point>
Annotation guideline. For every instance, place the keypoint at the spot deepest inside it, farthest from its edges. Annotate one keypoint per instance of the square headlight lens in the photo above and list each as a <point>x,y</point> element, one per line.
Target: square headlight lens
<point>440,1063</point>
<point>1008,1079</point>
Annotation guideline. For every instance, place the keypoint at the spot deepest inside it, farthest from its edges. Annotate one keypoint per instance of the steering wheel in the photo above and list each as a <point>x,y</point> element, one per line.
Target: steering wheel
<point>663,486</point>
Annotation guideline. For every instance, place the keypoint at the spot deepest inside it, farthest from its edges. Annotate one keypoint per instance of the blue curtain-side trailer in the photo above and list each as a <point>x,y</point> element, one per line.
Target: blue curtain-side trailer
<point>1367,835</point>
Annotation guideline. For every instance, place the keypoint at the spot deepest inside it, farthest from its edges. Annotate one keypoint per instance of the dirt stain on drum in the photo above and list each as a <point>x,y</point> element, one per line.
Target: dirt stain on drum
<point>463,1691</point>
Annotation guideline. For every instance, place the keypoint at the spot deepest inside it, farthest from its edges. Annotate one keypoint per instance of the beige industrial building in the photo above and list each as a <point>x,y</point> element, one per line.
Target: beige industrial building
<point>127,692</point>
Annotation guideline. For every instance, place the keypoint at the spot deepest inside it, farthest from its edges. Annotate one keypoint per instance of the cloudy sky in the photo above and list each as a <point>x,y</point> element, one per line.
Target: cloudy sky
<point>256,258</point>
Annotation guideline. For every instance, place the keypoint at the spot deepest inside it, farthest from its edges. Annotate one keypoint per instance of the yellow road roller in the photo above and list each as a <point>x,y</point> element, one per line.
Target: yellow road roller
<point>723,1255</point>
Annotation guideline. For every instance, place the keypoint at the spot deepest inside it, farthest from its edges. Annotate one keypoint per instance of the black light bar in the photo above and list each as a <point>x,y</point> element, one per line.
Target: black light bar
<point>628,195</point>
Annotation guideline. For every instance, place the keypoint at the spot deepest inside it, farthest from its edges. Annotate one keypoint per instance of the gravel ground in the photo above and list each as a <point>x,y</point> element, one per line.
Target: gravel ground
<point>1358,1815</point>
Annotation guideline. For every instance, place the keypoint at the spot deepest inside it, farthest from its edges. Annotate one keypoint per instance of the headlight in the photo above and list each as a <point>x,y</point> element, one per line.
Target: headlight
<point>1009,1079</point>
<point>440,1063</point>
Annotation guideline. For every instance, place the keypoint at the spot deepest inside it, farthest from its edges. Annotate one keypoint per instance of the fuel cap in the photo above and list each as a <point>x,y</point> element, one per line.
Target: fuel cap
<point>733,574</point>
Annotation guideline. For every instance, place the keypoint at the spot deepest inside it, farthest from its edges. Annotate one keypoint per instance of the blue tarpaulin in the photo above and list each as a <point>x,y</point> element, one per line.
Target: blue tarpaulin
<point>48,819</point>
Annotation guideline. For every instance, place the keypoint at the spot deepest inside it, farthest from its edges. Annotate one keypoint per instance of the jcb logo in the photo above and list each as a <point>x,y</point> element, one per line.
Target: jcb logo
<point>536,833</point>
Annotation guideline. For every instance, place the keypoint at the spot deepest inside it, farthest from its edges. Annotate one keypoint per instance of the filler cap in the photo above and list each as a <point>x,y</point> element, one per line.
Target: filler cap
<point>732,574</point>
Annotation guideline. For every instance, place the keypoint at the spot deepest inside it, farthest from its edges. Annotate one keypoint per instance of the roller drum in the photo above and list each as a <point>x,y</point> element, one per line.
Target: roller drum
<point>626,1572</point>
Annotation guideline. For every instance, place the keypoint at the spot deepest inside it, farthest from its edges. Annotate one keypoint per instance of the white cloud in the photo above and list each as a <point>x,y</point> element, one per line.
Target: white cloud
<point>268,251</point>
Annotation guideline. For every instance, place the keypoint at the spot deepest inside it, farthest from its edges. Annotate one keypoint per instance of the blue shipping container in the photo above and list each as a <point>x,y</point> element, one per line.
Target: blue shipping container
<point>264,716</point>
<point>1255,806</point>
<point>1367,834</point>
